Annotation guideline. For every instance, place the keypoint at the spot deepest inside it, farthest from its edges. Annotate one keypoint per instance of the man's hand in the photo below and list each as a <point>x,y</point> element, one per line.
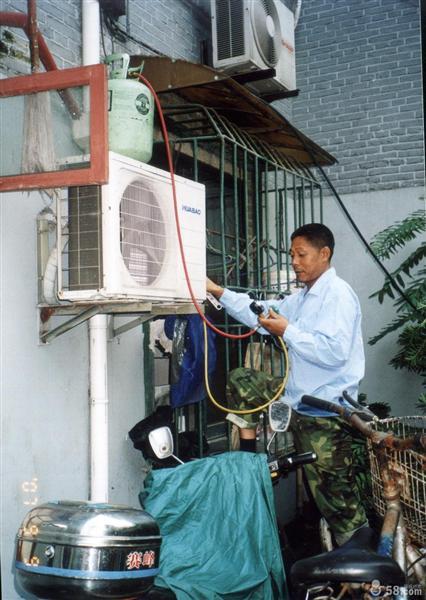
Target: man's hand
<point>213,288</point>
<point>274,323</point>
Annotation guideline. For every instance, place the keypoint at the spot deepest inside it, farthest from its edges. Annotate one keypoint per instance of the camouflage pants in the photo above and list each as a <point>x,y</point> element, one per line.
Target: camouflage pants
<point>331,478</point>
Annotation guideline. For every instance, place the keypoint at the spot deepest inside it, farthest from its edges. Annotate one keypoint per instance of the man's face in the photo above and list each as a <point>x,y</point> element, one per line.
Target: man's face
<point>308,262</point>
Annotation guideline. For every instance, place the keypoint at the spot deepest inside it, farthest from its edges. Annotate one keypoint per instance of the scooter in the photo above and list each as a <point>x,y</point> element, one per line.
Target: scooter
<point>219,512</point>
<point>161,442</point>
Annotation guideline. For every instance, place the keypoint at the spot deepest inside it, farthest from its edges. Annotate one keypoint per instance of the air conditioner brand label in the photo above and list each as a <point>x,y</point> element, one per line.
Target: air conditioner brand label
<point>191,209</point>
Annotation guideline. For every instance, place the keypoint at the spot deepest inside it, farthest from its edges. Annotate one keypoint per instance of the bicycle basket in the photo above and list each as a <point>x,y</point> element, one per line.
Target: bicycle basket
<point>410,465</point>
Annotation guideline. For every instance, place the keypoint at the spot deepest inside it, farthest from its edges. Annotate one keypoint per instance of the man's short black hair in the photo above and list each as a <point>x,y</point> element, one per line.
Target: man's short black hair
<point>317,234</point>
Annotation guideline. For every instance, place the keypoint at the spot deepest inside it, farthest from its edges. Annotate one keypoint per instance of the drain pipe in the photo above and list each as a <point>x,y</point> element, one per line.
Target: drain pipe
<point>91,32</point>
<point>98,364</point>
<point>98,324</point>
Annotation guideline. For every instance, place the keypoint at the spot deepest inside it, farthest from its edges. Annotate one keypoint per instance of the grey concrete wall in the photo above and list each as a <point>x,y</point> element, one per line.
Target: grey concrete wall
<point>43,389</point>
<point>372,212</point>
<point>44,394</point>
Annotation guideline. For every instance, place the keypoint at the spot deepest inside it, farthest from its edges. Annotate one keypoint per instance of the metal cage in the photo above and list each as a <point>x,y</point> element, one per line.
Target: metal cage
<point>410,465</point>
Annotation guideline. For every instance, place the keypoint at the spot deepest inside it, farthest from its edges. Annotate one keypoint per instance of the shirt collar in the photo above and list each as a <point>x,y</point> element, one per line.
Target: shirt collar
<point>321,282</point>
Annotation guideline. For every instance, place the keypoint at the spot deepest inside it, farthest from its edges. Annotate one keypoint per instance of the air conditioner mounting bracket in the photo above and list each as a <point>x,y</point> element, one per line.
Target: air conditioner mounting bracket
<point>81,313</point>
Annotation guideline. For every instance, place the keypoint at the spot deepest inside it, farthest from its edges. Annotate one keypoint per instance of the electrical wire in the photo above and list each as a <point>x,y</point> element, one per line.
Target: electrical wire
<point>365,242</point>
<point>122,36</point>
<point>102,35</point>
<point>179,233</point>
<point>354,225</point>
<point>250,410</point>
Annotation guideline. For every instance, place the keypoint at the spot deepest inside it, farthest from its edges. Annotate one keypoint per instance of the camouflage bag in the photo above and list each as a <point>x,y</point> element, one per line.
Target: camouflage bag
<point>247,389</point>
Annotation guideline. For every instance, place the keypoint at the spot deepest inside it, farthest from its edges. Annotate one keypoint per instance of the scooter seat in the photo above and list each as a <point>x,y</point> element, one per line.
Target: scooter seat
<point>354,562</point>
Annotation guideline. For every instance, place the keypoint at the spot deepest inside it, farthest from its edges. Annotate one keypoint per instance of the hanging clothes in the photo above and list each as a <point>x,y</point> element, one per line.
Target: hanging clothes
<point>187,361</point>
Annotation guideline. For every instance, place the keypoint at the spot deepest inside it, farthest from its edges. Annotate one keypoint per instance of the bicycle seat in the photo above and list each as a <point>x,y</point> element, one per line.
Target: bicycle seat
<point>354,562</point>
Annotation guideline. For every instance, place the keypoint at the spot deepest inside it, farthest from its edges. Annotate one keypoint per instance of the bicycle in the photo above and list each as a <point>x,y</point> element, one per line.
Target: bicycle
<point>360,568</point>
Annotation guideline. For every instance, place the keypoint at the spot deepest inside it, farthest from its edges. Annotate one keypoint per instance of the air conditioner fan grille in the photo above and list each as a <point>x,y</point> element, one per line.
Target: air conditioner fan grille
<point>266,29</point>
<point>143,233</point>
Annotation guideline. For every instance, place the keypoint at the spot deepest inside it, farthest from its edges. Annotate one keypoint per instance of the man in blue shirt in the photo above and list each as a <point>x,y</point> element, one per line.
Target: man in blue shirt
<point>321,325</point>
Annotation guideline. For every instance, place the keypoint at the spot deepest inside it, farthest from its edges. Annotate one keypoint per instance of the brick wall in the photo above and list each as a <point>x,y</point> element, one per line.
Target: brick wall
<point>60,24</point>
<point>171,27</point>
<point>174,28</point>
<point>359,72</point>
<point>358,69</point>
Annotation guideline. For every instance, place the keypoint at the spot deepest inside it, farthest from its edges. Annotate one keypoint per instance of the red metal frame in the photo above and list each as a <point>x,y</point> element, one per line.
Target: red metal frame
<point>94,76</point>
<point>22,21</point>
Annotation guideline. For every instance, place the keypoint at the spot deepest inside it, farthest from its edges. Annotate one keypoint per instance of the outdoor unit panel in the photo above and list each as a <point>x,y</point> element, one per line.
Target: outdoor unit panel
<point>250,35</point>
<point>139,250</point>
<point>286,65</point>
<point>85,237</point>
<point>229,30</point>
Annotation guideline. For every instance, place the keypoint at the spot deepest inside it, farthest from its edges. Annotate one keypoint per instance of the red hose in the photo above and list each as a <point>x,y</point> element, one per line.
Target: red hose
<point>182,251</point>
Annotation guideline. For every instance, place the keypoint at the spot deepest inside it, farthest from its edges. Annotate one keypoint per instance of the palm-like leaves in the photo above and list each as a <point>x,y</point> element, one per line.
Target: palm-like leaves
<point>412,278</point>
<point>391,239</point>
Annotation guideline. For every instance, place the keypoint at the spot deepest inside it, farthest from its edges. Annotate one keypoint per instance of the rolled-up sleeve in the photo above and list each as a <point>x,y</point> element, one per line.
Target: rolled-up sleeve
<point>237,305</point>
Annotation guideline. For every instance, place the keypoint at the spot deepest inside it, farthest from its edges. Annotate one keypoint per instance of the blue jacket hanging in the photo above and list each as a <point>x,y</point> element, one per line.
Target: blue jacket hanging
<point>187,362</point>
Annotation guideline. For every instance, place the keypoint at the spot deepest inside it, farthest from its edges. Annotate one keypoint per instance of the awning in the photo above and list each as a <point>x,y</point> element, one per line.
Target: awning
<point>199,84</point>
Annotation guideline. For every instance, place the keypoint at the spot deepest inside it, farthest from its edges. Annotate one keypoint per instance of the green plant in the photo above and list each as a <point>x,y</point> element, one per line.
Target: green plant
<point>380,409</point>
<point>411,277</point>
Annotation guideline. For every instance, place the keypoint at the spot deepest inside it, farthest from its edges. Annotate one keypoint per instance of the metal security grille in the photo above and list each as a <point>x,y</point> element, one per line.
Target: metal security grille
<point>143,233</point>
<point>255,198</point>
<point>84,268</point>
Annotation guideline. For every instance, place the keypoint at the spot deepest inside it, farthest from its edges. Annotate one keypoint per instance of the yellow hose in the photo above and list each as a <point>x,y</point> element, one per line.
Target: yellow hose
<point>248,411</point>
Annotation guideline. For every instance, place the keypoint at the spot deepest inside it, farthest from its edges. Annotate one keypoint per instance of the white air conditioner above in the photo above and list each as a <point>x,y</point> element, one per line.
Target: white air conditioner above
<point>253,35</point>
<point>121,238</point>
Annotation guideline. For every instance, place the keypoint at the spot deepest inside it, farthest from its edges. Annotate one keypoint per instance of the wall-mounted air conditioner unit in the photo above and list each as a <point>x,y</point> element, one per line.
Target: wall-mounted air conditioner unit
<point>121,238</point>
<point>251,35</point>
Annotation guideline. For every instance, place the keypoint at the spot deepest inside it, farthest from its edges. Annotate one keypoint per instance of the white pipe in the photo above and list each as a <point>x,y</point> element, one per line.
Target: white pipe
<point>91,32</point>
<point>297,12</point>
<point>51,271</point>
<point>98,324</point>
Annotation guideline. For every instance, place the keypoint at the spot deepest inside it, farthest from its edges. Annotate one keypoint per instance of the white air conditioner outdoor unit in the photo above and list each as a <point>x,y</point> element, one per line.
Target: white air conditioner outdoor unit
<point>122,240</point>
<point>252,35</point>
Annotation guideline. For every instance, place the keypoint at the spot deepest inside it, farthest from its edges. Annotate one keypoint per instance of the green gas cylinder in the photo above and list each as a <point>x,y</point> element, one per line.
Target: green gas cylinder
<point>130,110</point>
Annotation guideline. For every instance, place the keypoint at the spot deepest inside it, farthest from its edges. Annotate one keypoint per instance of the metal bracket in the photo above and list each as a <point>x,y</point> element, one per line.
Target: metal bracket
<point>82,313</point>
<point>130,325</point>
<point>46,336</point>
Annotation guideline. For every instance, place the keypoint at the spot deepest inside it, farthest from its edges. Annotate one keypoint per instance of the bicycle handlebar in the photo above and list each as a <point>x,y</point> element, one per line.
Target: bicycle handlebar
<point>357,419</point>
<point>364,412</point>
<point>320,404</point>
<point>282,465</point>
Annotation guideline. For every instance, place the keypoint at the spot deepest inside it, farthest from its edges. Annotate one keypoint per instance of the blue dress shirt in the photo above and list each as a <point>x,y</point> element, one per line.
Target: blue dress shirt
<point>323,337</point>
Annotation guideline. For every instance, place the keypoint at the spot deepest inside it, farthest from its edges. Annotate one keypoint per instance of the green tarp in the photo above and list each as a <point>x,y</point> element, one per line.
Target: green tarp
<point>217,519</point>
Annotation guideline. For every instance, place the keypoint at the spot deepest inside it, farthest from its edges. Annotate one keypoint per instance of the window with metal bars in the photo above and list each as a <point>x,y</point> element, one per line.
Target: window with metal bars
<point>255,198</point>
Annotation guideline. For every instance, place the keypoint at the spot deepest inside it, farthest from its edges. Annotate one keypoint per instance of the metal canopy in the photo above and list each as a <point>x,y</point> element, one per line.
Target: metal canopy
<point>203,85</point>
